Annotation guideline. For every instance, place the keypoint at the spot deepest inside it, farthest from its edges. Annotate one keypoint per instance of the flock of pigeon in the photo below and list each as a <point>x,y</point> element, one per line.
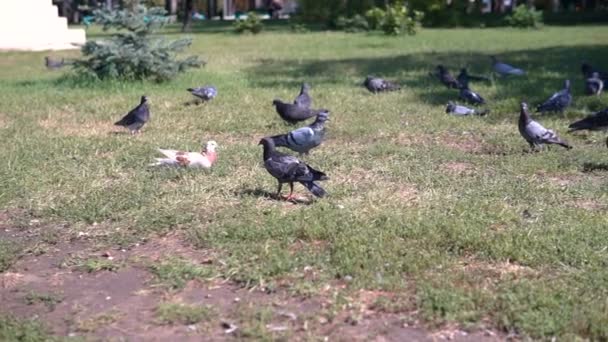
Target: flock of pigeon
<point>289,169</point>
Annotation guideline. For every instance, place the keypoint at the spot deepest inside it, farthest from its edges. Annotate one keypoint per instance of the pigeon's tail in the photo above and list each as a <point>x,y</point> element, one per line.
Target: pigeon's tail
<point>315,189</point>
<point>280,140</point>
<point>560,142</point>
<point>482,112</point>
<point>390,86</point>
<point>579,125</point>
<point>518,72</point>
<point>120,122</point>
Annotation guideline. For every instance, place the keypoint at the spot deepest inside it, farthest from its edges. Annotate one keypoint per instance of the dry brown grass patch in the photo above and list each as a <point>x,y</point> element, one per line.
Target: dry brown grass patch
<point>63,124</point>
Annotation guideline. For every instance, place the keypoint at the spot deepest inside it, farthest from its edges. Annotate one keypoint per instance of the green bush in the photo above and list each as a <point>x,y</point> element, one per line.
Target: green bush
<point>253,23</point>
<point>354,24</point>
<point>374,17</point>
<point>130,53</point>
<point>397,21</point>
<point>525,17</point>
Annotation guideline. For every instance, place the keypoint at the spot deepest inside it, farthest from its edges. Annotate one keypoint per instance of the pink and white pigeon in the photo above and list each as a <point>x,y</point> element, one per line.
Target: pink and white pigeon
<point>205,159</point>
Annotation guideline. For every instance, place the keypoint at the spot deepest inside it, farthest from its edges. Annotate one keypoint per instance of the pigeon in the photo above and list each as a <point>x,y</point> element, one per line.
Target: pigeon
<point>204,159</point>
<point>470,96</point>
<point>53,64</point>
<point>303,99</point>
<point>289,169</point>
<point>205,93</point>
<point>594,122</point>
<point>588,71</point>
<point>377,85</point>
<point>446,78</point>
<point>460,110</point>
<point>137,117</point>
<point>464,77</point>
<point>504,69</point>
<point>306,138</point>
<point>534,133</point>
<point>293,113</point>
<point>558,102</point>
<point>594,84</point>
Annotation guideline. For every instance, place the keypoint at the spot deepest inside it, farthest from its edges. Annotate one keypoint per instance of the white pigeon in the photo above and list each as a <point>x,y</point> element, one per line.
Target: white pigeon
<point>204,159</point>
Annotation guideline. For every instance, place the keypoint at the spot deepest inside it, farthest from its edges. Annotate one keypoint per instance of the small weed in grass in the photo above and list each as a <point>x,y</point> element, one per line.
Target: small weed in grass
<point>94,323</point>
<point>48,299</point>
<point>96,265</point>
<point>178,313</point>
<point>175,272</point>
<point>12,329</point>
<point>8,254</point>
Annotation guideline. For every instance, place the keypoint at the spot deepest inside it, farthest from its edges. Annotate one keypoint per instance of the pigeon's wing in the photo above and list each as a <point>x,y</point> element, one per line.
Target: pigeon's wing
<point>171,154</point>
<point>284,167</point>
<point>128,119</point>
<point>300,137</point>
<point>536,131</point>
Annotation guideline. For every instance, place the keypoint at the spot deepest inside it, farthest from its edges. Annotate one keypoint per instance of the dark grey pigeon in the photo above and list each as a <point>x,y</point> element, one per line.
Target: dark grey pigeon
<point>293,113</point>
<point>137,117</point>
<point>305,138</point>
<point>470,96</point>
<point>460,110</point>
<point>594,122</point>
<point>504,69</point>
<point>289,169</point>
<point>377,84</point>
<point>594,85</point>
<point>588,71</point>
<point>53,64</point>
<point>446,78</point>
<point>558,102</point>
<point>303,99</point>
<point>464,77</point>
<point>534,133</point>
<point>205,93</point>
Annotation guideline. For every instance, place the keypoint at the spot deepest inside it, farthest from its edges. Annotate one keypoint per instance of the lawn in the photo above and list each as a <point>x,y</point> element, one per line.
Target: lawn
<point>434,221</point>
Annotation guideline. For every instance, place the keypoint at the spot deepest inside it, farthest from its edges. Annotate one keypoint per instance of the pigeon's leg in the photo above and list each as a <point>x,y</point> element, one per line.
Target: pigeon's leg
<point>279,190</point>
<point>291,197</point>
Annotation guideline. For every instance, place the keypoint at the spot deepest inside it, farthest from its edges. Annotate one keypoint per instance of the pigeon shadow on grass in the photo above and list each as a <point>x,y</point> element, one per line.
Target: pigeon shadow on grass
<point>261,193</point>
<point>591,166</point>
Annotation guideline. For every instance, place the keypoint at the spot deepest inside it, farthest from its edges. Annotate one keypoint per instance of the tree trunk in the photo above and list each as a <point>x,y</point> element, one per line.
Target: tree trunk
<point>188,9</point>
<point>555,5</point>
<point>172,7</point>
<point>109,4</point>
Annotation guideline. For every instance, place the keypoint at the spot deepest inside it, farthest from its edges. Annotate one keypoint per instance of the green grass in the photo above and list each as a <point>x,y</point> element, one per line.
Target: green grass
<point>421,204</point>
<point>178,313</point>
<point>12,329</point>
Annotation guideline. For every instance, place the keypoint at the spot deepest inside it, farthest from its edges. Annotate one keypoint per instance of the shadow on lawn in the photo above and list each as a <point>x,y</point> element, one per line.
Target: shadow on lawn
<point>547,68</point>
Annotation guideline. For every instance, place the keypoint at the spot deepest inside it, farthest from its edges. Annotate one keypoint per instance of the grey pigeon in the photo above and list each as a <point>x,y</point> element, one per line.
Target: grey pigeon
<point>303,99</point>
<point>293,113</point>
<point>504,69</point>
<point>464,77</point>
<point>446,78</point>
<point>460,110</point>
<point>588,71</point>
<point>205,93</point>
<point>289,169</point>
<point>594,84</point>
<point>305,138</point>
<point>470,96</point>
<point>53,64</point>
<point>377,84</point>
<point>558,102</point>
<point>534,133</point>
<point>137,117</point>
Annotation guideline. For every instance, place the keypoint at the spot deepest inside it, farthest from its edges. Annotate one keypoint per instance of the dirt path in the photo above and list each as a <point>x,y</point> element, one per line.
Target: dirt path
<point>78,290</point>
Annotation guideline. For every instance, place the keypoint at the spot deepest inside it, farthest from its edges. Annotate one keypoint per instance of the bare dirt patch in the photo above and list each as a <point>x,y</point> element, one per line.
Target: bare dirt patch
<point>123,303</point>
